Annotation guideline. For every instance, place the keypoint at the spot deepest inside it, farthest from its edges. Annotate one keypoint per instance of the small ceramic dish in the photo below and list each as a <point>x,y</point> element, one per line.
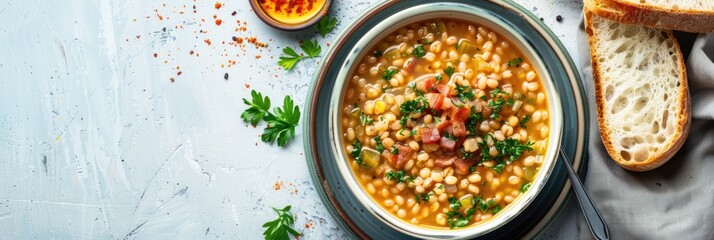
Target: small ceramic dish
<point>290,18</point>
<point>350,205</point>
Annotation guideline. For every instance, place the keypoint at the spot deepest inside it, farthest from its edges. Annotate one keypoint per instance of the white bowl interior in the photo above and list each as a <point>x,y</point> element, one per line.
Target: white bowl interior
<point>468,14</point>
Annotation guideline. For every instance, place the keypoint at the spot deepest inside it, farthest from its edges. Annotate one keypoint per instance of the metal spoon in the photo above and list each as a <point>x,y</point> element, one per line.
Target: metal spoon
<point>597,225</point>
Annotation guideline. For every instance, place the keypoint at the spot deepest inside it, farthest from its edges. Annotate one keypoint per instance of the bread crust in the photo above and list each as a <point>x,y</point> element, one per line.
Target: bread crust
<point>683,116</point>
<point>697,21</point>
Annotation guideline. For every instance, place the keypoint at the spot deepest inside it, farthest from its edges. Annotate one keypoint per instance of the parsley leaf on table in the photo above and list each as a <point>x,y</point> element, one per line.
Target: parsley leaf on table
<point>325,25</point>
<point>311,48</point>
<point>281,122</point>
<point>279,229</point>
<point>290,57</point>
<point>259,106</point>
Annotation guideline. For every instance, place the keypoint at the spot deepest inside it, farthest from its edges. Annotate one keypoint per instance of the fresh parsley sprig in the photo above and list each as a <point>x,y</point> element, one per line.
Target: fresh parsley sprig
<point>281,122</point>
<point>515,62</point>
<point>357,152</point>
<point>279,229</point>
<point>290,57</point>
<point>325,25</point>
<point>399,176</point>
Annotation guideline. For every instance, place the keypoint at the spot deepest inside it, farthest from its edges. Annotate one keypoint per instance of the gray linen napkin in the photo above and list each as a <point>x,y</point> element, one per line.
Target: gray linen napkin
<point>674,201</point>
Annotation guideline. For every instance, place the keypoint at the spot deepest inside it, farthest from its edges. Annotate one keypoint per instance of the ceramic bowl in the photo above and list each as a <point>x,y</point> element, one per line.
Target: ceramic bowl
<point>458,12</point>
<point>351,207</point>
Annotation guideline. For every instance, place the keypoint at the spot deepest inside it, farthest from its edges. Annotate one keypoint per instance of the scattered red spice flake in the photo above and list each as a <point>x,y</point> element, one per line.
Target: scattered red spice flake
<point>234,13</point>
<point>310,224</point>
<point>207,41</point>
<point>218,5</point>
<point>247,86</point>
<point>255,42</point>
<point>156,55</point>
<point>257,56</point>
<point>160,17</point>
<point>179,73</point>
<point>278,185</point>
<point>191,52</point>
<point>219,21</point>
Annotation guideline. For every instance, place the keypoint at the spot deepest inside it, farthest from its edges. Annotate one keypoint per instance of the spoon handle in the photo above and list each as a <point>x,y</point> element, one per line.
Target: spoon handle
<point>597,225</point>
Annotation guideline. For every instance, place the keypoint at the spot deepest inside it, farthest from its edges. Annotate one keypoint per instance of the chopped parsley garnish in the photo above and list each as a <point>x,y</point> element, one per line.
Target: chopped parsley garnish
<point>449,71</point>
<point>484,205</point>
<point>473,121</point>
<point>425,41</point>
<point>515,62</point>
<point>525,187</point>
<point>365,119</point>
<point>498,168</point>
<point>417,105</point>
<point>439,77</point>
<point>357,152</point>
<point>380,147</point>
<point>465,93</point>
<point>423,197</point>
<point>388,74</point>
<point>496,105</point>
<point>412,86</point>
<point>510,102</point>
<point>454,217</point>
<point>496,209</point>
<point>497,91</point>
<point>467,155</point>
<point>377,53</point>
<point>512,148</point>
<point>509,150</point>
<point>419,51</point>
<point>279,229</point>
<point>398,176</point>
<point>281,122</point>
<point>525,120</point>
<point>395,150</point>
<point>450,136</point>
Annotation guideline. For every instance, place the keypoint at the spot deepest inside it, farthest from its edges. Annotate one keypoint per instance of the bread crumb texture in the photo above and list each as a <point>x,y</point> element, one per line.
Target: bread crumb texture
<point>677,4</point>
<point>640,106</point>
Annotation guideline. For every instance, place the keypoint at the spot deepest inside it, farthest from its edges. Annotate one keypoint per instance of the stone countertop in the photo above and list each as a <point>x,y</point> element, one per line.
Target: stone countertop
<point>116,120</point>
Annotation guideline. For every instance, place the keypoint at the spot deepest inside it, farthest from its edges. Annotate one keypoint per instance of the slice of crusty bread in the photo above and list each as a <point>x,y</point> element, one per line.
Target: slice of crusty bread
<point>682,15</point>
<point>641,92</point>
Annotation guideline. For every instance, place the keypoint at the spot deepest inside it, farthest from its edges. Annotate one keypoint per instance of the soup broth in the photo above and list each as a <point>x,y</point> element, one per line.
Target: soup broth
<point>445,123</point>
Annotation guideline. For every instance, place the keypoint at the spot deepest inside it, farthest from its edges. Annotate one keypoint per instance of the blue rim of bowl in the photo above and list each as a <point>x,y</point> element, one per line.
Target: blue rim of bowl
<point>341,204</point>
<point>447,11</point>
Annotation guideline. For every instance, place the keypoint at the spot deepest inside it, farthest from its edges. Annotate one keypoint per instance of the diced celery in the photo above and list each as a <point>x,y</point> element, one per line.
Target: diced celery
<point>370,158</point>
<point>392,53</point>
<point>465,46</point>
<point>466,202</point>
<point>530,173</point>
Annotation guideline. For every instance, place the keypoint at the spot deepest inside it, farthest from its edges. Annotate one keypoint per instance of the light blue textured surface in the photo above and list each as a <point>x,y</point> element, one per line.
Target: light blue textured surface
<point>97,143</point>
